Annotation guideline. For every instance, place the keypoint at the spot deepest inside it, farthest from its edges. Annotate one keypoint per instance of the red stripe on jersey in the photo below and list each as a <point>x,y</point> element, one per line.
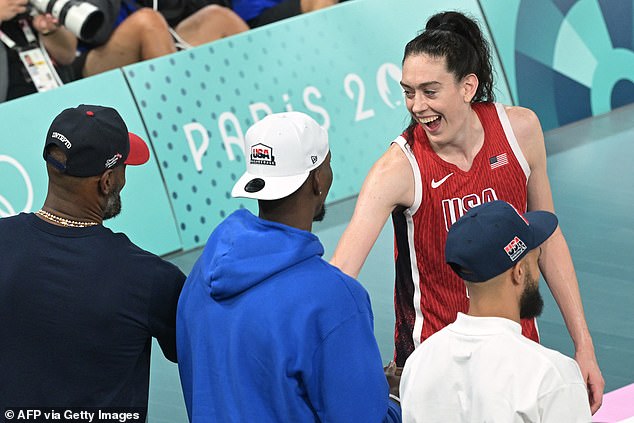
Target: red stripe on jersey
<point>447,193</point>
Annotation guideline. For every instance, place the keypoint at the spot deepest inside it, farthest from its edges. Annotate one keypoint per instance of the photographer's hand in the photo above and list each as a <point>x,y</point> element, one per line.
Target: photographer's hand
<point>45,24</point>
<point>60,43</point>
<point>10,8</point>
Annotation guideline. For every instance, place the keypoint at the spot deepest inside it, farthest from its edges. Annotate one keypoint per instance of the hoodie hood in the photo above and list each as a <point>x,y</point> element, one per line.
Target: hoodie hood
<point>245,250</point>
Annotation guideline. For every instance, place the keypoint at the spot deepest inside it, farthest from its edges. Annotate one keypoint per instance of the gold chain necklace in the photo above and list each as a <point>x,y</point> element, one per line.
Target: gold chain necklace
<point>63,221</point>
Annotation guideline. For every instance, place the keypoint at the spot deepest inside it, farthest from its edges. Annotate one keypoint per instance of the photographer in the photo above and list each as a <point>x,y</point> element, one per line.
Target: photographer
<point>24,64</point>
<point>132,33</point>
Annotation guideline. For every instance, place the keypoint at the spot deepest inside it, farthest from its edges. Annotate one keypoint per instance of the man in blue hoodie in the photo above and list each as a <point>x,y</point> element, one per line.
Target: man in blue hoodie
<point>267,330</point>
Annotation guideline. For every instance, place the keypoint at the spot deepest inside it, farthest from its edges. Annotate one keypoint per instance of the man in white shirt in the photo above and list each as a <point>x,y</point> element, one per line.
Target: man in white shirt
<point>480,368</point>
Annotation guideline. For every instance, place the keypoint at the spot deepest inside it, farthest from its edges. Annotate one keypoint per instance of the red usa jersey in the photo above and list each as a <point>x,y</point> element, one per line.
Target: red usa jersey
<point>428,294</point>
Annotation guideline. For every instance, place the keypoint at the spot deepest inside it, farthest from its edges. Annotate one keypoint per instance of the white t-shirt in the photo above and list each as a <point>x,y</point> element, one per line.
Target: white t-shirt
<point>481,369</point>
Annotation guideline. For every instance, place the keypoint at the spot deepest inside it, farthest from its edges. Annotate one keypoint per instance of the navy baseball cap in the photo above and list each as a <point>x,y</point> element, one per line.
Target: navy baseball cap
<point>94,139</point>
<point>489,239</point>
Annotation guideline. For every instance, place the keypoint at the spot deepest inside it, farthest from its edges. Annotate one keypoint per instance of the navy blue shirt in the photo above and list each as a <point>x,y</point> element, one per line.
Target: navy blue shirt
<point>78,310</point>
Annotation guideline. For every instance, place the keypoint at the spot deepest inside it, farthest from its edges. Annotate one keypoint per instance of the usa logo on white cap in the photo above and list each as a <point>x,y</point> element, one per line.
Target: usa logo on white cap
<point>262,154</point>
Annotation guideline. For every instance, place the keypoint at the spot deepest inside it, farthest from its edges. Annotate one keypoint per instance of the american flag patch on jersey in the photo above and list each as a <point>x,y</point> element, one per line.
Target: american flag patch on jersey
<point>498,161</point>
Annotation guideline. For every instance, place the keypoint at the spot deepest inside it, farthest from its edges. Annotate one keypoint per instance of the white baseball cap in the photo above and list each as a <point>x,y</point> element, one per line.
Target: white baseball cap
<point>280,152</point>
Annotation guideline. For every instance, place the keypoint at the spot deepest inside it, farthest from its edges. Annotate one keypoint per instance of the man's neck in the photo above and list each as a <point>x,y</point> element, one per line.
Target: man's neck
<point>291,211</point>
<point>288,220</point>
<point>476,310</point>
<point>72,209</point>
<point>493,298</point>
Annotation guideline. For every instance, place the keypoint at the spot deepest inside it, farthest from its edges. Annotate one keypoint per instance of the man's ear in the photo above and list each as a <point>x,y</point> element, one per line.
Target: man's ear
<point>107,182</point>
<point>518,273</point>
<point>316,182</point>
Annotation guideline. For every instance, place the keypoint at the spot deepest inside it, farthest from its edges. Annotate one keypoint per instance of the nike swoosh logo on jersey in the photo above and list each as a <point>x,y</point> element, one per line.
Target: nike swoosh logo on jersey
<point>435,184</point>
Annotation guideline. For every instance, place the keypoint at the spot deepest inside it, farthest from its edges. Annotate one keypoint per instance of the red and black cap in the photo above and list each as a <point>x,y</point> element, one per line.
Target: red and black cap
<point>94,139</point>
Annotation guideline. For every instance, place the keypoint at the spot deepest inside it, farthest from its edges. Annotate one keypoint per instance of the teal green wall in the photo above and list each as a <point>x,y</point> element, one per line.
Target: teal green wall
<point>565,59</point>
<point>146,218</point>
<point>341,66</point>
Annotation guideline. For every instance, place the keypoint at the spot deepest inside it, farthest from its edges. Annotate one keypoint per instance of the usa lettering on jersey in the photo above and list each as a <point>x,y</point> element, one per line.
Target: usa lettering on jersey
<point>455,208</point>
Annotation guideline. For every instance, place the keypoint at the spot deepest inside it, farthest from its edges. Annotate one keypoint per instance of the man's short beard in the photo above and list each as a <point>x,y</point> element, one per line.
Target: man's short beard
<point>113,205</point>
<point>320,214</point>
<point>531,301</point>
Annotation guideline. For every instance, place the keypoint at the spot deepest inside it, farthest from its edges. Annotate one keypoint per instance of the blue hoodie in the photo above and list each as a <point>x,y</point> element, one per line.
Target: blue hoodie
<point>267,331</point>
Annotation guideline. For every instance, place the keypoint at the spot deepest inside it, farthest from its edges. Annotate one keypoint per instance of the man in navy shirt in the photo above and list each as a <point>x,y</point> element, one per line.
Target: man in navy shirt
<point>79,304</point>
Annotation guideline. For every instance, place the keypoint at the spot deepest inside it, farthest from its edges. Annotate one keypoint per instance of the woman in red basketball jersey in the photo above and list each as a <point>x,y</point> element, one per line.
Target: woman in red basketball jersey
<point>460,150</point>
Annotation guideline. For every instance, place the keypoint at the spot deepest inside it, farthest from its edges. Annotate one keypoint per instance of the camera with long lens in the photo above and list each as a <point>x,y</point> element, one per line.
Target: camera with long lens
<point>82,18</point>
